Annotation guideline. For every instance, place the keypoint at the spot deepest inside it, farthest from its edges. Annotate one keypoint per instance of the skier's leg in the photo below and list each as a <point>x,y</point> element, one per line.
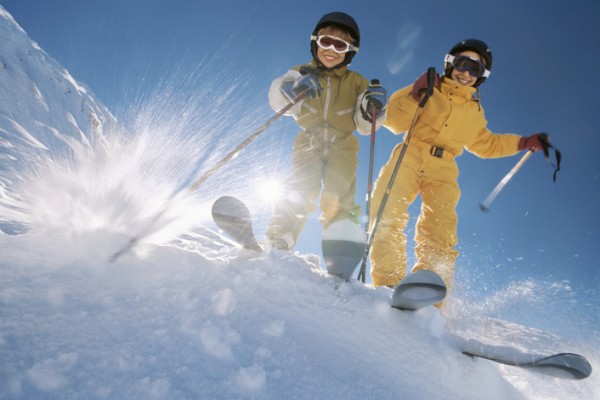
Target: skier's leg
<point>339,183</point>
<point>388,248</point>
<point>301,191</point>
<point>435,235</point>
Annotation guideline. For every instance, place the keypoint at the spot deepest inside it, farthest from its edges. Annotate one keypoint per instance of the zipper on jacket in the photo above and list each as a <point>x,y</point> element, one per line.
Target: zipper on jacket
<point>325,119</point>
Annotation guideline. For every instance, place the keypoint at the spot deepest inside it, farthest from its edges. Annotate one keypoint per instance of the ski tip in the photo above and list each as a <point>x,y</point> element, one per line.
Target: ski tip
<point>342,257</point>
<point>233,217</point>
<point>345,230</point>
<point>343,245</point>
<point>562,365</point>
<point>565,365</point>
<point>483,208</point>
<point>229,205</point>
<point>418,290</point>
<point>228,198</point>
<point>424,276</point>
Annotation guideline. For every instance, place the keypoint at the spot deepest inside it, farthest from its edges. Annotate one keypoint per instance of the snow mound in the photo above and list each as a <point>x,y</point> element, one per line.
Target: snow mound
<point>199,318</point>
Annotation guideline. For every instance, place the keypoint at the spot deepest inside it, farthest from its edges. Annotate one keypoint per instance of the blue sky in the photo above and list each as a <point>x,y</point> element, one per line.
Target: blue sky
<point>543,79</point>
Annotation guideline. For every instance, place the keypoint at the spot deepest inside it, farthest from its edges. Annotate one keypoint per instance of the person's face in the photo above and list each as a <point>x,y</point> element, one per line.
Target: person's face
<point>328,57</point>
<point>464,78</point>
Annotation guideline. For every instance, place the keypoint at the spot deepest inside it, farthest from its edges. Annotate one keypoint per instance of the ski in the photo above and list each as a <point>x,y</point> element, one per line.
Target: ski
<point>233,217</point>
<point>418,290</point>
<point>343,247</point>
<point>560,365</point>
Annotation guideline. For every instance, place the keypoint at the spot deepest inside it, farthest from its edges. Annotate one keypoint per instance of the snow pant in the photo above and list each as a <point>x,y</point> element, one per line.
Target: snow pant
<point>435,180</point>
<point>318,168</point>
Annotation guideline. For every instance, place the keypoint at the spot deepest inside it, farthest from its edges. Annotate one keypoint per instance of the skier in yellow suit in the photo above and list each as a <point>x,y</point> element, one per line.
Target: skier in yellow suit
<point>452,119</point>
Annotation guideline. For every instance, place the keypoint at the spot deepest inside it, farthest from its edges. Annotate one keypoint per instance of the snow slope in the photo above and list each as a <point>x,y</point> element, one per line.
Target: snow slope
<point>200,319</point>
<point>187,315</point>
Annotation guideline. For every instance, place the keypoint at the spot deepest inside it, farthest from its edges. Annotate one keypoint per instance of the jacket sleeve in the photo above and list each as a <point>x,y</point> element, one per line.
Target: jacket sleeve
<point>277,99</point>
<point>363,125</point>
<point>400,111</point>
<point>494,145</point>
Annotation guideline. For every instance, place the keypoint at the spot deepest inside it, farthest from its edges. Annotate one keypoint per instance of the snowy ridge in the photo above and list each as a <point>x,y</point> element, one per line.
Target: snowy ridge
<point>45,113</point>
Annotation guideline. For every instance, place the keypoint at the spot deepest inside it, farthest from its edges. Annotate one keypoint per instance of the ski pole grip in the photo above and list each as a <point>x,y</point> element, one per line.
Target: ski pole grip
<point>430,86</point>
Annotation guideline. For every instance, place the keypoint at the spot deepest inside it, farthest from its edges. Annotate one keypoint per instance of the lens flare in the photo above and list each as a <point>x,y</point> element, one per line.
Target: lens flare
<point>270,189</point>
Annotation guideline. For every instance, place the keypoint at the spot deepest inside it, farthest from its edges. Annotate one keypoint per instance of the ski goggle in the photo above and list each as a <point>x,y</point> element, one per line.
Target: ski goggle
<point>464,63</point>
<point>334,43</point>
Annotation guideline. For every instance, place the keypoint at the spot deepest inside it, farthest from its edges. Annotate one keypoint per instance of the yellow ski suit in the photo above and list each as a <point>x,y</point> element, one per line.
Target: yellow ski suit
<point>451,119</point>
<point>325,153</point>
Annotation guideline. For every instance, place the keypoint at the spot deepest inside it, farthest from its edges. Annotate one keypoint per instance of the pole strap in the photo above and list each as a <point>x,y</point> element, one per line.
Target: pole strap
<point>546,146</point>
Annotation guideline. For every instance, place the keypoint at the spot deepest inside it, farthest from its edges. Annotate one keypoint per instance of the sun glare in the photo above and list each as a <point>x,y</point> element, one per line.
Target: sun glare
<point>270,189</point>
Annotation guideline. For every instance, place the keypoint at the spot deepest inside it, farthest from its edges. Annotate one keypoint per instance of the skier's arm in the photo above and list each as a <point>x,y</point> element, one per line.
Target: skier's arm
<point>494,145</point>
<point>400,111</point>
<point>277,99</point>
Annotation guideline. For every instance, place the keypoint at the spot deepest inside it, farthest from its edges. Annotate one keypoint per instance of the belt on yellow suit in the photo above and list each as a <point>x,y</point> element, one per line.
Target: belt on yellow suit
<point>433,150</point>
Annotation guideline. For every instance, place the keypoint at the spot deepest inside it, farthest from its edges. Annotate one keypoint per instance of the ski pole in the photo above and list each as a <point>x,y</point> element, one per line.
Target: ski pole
<point>363,267</point>
<point>485,205</point>
<point>133,241</point>
<point>193,186</point>
<point>430,84</point>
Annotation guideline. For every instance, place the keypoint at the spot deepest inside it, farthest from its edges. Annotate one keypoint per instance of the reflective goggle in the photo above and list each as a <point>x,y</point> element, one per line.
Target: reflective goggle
<point>465,63</point>
<point>334,43</point>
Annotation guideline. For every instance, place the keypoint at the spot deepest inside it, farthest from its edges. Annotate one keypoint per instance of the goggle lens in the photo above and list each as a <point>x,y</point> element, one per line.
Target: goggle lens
<point>463,63</point>
<point>334,43</point>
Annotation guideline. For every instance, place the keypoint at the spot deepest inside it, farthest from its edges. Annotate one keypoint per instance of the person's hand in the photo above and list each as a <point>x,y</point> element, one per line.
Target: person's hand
<point>534,142</point>
<point>421,86</point>
<point>307,85</point>
<point>375,97</point>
